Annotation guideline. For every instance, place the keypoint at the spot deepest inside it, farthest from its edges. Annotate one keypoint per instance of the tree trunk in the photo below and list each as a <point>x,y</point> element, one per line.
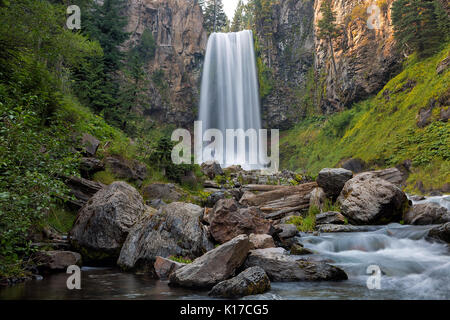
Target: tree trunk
<point>332,55</point>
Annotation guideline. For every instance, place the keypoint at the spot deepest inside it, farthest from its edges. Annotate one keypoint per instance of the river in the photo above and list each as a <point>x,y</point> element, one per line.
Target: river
<point>411,268</point>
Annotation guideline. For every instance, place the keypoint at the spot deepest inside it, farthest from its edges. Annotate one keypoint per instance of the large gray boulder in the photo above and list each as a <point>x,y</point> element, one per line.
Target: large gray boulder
<point>131,170</point>
<point>332,180</point>
<point>174,230</point>
<point>427,213</point>
<point>104,222</point>
<point>55,260</point>
<point>369,200</point>
<point>393,175</point>
<point>251,281</point>
<point>164,191</point>
<point>214,266</point>
<point>282,267</point>
<point>228,220</point>
<point>441,232</point>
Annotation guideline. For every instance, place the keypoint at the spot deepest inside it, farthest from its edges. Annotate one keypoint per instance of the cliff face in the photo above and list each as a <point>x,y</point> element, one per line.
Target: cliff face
<point>177,27</point>
<point>365,58</point>
<point>290,57</point>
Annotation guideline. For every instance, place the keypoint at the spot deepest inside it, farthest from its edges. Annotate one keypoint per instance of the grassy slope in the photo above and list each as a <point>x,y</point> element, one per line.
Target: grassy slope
<point>381,131</point>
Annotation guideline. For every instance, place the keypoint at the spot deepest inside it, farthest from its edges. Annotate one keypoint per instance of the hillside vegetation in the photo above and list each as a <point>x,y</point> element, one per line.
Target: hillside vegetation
<point>383,130</point>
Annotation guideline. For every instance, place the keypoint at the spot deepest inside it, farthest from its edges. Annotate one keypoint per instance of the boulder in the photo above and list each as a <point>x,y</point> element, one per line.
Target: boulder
<point>330,217</point>
<point>90,144</point>
<point>443,65</point>
<point>427,213</point>
<point>174,230</point>
<point>317,198</point>
<point>165,267</point>
<point>298,250</point>
<point>441,233</point>
<point>131,170</point>
<point>214,197</point>
<point>103,223</point>
<point>52,261</point>
<point>249,282</point>
<point>369,200</point>
<point>286,230</point>
<point>90,165</point>
<point>332,180</point>
<point>393,175</point>
<point>228,219</point>
<point>211,169</point>
<point>214,266</point>
<point>164,191</point>
<point>282,267</point>
<point>261,241</point>
<point>355,165</point>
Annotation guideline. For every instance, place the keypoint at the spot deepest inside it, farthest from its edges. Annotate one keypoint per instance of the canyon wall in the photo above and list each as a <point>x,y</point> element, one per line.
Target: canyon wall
<point>177,27</point>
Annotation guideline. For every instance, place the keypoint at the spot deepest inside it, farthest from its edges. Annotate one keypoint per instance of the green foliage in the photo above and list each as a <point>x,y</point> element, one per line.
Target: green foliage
<point>60,219</point>
<point>382,130</point>
<point>305,224</point>
<point>420,25</point>
<point>180,259</point>
<point>328,205</point>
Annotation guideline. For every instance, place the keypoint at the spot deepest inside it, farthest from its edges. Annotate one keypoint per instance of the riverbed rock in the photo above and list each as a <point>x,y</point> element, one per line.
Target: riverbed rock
<point>332,180</point>
<point>165,267</point>
<point>330,217</point>
<point>163,191</point>
<point>441,232</point>
<point>52,261</point>
<point>342,228</point>
<point>103,223</point>
<point>299,250</point>
<point>174,230</point>
<point>317,198</point>
<point>228,219</point>
<point>427,213</point>
<point>251,281</point>
<point>214,266</point>
<point>261,241</point>
<point>367,200</point>
<point>287,230</point>
<point>282,267</point>
<point>211,169</point>
<point>212,199</point>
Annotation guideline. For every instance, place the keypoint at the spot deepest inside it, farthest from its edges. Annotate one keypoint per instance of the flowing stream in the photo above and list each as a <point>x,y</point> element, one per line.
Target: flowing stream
<point>229,96</point>
<point>412,268</point>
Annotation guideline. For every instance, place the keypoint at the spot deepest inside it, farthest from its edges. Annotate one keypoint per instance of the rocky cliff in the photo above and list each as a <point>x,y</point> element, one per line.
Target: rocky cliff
<point>365,58</point>
<point>177,27</point>
<point>289,57</point>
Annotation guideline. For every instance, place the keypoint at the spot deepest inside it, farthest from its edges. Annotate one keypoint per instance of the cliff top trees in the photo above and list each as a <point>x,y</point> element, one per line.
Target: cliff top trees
<point>328,28</point>
<point>214,18</point>
<point>420,25</point>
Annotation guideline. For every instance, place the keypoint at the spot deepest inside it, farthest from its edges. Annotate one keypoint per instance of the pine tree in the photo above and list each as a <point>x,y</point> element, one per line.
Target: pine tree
<point>419,25</point>
<point>238,18</point>
<point>214,18</point>
<point>328,29</point>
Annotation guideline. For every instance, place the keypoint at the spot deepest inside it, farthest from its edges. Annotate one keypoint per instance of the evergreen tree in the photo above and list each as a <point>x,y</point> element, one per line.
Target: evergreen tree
<point>238,18</point>
<point>328,29</point>
<point>214,18</point>
<point>419,25</point>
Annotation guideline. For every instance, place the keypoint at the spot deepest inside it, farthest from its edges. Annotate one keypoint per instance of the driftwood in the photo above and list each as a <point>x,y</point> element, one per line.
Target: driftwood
<point>281,213</point>
<point>281,196</point>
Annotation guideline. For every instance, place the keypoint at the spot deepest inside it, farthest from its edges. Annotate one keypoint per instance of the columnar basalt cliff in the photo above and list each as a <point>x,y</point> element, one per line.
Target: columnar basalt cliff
<point>290,56</point>
<point>177,27</point>
<point>365,58</point>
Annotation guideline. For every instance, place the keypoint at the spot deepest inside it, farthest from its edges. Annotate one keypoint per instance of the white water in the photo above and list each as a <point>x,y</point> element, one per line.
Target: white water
<point>229,96</point>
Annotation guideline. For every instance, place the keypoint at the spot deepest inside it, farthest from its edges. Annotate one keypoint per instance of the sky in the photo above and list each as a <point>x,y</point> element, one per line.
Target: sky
<point>229,6</point>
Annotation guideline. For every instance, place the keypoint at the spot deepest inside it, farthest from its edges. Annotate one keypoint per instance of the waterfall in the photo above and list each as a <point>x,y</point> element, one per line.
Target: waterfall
<point>229,97</point>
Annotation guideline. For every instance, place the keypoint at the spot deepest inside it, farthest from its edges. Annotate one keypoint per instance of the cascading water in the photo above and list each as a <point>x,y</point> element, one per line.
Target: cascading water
<point>229,96</point>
